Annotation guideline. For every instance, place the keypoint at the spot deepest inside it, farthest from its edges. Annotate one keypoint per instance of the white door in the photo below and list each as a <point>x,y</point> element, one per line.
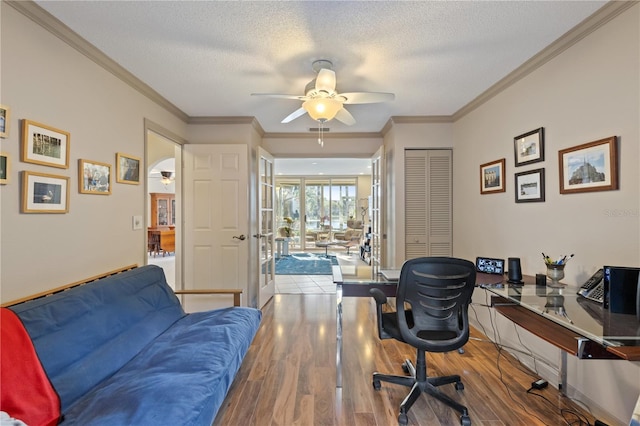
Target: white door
<point>265,236</point>
<point>216,222</point>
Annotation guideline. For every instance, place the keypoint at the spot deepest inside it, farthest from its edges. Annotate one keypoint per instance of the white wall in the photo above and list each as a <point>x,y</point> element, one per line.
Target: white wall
<point>46,80</point>
<point>343,146</point>
<point>589,92</point>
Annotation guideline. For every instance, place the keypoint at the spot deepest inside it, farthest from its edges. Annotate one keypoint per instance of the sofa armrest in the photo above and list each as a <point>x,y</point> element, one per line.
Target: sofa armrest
<point>236,293</point>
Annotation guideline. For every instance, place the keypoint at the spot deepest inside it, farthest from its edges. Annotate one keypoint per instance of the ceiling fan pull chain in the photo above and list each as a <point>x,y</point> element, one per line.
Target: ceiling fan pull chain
<point>320,134</point>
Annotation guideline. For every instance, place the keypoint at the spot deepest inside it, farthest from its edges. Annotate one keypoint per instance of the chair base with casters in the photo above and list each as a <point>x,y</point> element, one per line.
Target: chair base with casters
<point>420,383</point>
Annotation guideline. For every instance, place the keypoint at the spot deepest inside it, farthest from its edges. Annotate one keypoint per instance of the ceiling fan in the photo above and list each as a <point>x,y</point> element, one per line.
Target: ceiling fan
<point>166,177</point>
<point>321,100</point>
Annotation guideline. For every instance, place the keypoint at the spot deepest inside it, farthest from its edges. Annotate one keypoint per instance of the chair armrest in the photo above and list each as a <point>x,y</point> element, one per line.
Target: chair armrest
<point>380,299</point>
<point>378,295</point>
<point>236,293</point>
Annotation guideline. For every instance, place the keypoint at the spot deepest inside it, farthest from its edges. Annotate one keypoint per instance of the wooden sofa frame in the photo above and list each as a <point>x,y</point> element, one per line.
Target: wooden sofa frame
<point>235,292</point>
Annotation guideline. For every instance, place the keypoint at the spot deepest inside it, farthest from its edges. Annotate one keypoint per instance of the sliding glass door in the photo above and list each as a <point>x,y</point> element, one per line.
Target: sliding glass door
<point>314,209</point>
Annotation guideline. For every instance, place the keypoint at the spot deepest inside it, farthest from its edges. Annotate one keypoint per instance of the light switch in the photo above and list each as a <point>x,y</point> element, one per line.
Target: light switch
<point>137,222</point>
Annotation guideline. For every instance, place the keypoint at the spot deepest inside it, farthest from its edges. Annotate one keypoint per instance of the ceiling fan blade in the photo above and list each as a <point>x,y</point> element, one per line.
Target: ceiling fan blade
<point>345,116</point>
<point>295,114</point>
<point>326,80</point>
<point>281,96</point>
<point>367,97</point>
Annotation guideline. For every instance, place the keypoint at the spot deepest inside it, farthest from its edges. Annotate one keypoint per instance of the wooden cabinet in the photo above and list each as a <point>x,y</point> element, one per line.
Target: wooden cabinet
<point>163,208</point>
<point>161,240</point>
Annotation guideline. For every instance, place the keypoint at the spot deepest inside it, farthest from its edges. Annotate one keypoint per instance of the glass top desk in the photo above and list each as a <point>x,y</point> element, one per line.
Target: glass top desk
<point>556,315</point>
<point>559,316</point>
<point>617,335</point>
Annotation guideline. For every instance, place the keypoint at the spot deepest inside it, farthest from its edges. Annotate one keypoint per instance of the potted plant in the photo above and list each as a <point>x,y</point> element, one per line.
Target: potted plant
<point>287,229</point>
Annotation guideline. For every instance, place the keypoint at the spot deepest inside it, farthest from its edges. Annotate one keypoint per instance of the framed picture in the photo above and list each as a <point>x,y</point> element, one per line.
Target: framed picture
<point>530,186</point>
<point>45,145</point>
<point>127,169</point>
<point>492,177</point>
<point>94,177</point>
<point>44,193</point>
<point>589,167</point>
<point>5,120</point>
<point>5,168</point>
<point>529,147</point>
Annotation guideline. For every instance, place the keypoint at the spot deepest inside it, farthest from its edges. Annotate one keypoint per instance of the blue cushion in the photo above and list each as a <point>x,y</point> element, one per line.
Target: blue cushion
<point>181,378</point>
<point>86,334</point>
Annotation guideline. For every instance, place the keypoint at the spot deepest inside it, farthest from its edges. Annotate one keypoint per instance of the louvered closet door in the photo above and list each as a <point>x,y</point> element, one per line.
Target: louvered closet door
<point>428,201</point>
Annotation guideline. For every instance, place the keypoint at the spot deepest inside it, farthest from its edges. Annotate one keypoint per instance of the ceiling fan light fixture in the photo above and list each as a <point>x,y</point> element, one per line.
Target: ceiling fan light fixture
<point>322,109</point>
<point>166,177</point>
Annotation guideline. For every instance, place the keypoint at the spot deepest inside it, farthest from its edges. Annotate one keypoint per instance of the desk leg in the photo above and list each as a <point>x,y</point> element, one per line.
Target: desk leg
<point>562,386</point>
<point>339,336</point>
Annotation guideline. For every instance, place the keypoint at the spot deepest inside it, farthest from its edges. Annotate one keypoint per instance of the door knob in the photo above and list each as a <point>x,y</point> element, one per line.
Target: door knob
<point>241,237</point>
<point>258,236</point>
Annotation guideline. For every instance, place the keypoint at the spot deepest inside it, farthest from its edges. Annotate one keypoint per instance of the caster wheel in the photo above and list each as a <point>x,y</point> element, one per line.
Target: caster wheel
<point>465,421</point>
<point>376,384</point>
<point>404,420</point>
<point>405,368</point>
<point>459,386</point>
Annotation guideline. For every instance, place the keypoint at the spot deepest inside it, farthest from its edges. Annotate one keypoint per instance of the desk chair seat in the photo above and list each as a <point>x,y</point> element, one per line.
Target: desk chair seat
<point>432,301</point>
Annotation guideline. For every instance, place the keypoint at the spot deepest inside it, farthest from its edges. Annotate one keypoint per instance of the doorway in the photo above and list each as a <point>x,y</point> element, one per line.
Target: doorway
<point>316,202</point>
<point>163,200</point>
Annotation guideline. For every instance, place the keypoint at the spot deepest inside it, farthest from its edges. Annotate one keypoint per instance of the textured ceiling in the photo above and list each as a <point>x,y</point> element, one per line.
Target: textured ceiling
<point>207,57</point>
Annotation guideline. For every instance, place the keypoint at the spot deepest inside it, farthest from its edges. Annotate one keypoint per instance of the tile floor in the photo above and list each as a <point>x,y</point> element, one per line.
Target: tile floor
<point>285,284</point>
<point>309,284</point>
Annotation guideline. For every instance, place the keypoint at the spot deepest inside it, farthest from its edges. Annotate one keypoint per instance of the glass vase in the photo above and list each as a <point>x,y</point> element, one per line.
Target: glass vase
<point>555,273</point>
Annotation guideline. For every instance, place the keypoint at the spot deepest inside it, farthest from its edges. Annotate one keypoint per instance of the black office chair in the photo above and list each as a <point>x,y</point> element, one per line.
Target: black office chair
<point>437,292</point>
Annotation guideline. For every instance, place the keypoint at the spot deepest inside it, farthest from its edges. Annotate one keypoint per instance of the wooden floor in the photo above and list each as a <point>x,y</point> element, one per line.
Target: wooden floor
<point>289,375</point>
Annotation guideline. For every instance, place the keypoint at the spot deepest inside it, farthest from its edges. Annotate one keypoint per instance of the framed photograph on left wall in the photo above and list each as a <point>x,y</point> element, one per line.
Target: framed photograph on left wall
<point>127,169</point>
<point>44,193</point>
<point>5,168</point>
<point>45,145</point>
<point>492,177</point>
<point>5,120</point>
<point>94,177</point>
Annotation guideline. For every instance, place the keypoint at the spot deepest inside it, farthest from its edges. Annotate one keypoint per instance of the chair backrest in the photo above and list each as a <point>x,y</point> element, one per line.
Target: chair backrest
<point>438,291</point>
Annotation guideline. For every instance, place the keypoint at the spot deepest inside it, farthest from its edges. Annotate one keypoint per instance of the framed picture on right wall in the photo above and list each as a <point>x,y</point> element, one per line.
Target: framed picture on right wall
<point>530,186</point>
<point>492,177</point>
<point>529,147</point>
<point>589,167</point>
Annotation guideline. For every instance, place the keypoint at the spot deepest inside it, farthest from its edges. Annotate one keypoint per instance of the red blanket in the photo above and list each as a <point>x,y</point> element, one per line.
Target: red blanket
<point>26,392</point>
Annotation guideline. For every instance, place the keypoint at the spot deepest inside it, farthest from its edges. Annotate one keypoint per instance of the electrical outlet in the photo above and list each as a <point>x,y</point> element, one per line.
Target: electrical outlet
<point>539,384</point>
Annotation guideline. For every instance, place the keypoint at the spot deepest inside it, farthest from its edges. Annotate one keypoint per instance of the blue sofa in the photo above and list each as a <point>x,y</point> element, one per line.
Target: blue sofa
<point>122,351</point>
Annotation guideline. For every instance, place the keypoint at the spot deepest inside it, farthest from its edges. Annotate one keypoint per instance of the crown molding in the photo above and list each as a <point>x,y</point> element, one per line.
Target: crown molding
<point>603,15</point>
<point>221,120</point>
<point>43,18</point>
<point>421,119</point>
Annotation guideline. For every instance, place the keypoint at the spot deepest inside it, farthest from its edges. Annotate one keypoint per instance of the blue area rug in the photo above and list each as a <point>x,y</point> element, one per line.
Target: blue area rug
<point>305,264</point>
